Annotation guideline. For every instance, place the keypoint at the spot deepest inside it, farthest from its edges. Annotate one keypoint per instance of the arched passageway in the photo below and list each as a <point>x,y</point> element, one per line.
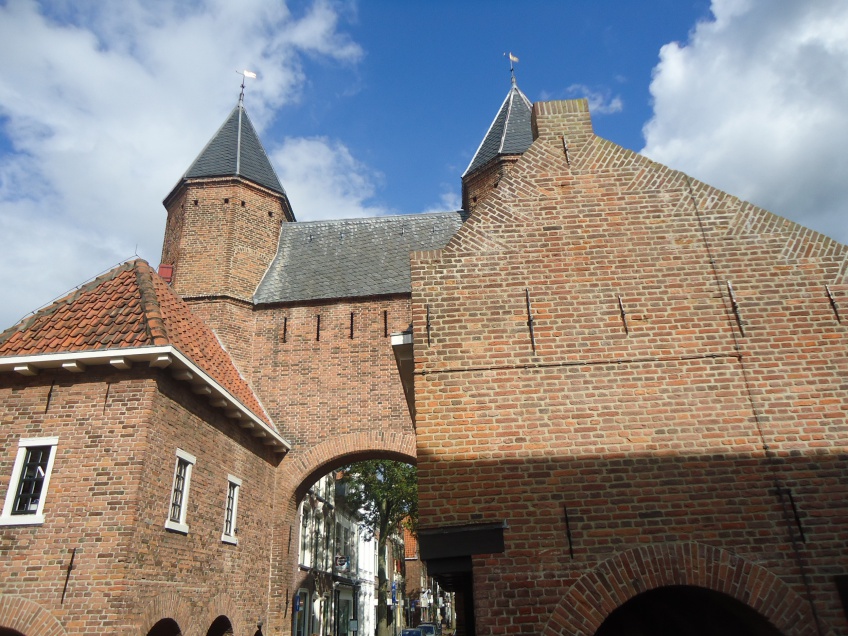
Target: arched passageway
<point>9,632</point>
<point>221,626</point>
<point>685,610</point>
<point>165,627</point>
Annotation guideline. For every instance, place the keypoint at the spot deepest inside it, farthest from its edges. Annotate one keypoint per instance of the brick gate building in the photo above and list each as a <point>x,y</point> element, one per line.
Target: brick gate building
<point>628,392</point>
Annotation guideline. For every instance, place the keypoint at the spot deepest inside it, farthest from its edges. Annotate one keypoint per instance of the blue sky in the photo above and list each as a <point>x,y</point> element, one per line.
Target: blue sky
<point>377,106</point>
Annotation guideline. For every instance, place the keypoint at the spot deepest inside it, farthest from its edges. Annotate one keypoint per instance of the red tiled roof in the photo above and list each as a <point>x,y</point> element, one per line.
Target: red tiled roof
<point>128,307</point>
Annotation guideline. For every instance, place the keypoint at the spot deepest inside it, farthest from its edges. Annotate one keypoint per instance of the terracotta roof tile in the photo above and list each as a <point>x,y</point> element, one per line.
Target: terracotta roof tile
<point>128,307</point>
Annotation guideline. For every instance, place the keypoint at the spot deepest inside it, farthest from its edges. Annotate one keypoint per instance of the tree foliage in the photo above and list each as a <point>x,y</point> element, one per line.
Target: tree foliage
<point>386,495</point>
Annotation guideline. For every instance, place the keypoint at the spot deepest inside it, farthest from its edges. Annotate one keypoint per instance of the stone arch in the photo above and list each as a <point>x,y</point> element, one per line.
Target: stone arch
<point>305,467</point>
<point>166,605</point>
<point>23,615</point>
<point>613,582</point>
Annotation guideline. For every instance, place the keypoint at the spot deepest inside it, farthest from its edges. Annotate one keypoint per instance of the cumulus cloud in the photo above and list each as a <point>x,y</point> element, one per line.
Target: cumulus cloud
<point>602,100</point>
<point>103,106</point>
<point>754,103</point>
<point>324,181</point>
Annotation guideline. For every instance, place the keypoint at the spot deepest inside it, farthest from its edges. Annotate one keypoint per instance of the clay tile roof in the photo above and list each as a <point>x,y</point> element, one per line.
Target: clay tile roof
<point>129,307</point>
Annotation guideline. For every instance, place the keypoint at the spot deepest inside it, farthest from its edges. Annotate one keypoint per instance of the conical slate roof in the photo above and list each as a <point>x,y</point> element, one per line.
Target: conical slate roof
<point>235,150</point>
<point>510,132</point>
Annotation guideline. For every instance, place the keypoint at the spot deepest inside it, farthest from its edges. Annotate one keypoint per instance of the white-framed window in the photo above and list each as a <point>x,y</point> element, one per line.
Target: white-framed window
<point>231,511</point>
<point>179,492</point>
<point>305,535</point>
<point>27,492</point>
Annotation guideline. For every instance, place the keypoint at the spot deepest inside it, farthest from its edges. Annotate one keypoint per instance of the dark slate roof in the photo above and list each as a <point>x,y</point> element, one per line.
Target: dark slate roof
<point>235,150</point>
<point>351,258</point>
<point>510,132</point>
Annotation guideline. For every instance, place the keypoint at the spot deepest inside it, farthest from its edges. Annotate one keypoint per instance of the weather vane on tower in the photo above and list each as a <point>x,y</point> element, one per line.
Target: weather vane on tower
<point>512,60</point>
<point>244,75</point>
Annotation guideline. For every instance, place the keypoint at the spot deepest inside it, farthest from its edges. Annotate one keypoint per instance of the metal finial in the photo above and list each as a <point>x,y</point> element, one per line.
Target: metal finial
<point>512,60</point>
<point>244,74</point>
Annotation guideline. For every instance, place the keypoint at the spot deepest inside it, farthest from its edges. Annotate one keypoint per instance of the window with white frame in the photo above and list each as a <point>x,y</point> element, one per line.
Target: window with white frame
<point>305,535</point>
<point>179,493</point>
<point>24,503</point>
<point>231,511</point>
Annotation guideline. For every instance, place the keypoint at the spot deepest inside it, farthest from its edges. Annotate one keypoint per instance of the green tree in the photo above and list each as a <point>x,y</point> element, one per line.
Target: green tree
<point>386,495</point>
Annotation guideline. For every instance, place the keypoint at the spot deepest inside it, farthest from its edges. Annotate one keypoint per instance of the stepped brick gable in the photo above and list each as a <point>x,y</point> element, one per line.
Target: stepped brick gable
<point>620,358</point>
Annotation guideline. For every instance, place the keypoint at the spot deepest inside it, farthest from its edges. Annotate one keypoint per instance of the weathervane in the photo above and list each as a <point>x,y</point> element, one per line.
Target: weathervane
<point>512,60</point>
<point>244,75</point>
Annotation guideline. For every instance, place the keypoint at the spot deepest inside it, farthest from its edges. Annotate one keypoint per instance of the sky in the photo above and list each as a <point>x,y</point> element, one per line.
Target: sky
<point>377,106</point>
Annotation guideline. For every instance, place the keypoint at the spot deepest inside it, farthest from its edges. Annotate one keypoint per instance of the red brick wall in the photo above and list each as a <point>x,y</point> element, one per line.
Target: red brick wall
<point>478,184</point>
<point>108,497</point>
<point>665,425</point>
<point>336,399</point>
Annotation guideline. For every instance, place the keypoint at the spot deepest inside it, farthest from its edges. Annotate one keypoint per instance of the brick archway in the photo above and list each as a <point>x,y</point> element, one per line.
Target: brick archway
<point>615,581</point>
<point>223,605</point>
<point>28,618</point>
<point>345,449</point>
<point>166,605</point>
<point>302,467</point>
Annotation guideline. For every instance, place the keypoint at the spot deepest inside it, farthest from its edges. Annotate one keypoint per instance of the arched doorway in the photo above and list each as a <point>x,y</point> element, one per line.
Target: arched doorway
<point>165,627</point>
<point>9,632</point>
<point>221,626</point>
<point>685,610</point>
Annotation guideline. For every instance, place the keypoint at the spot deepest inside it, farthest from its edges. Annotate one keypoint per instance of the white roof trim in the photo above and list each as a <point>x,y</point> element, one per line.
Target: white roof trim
<point>156,357</point>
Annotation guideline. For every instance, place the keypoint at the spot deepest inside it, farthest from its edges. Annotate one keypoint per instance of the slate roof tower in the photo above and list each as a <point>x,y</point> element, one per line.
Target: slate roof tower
<point>509,135</point>
<point>224,216</point>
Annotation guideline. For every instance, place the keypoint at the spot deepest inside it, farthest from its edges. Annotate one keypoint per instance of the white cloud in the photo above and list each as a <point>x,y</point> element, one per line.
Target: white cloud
<point>601,101</point>
<point>754,103</point>
<point>449,201</point>
<point>324,181</point>
<point>105,105</point>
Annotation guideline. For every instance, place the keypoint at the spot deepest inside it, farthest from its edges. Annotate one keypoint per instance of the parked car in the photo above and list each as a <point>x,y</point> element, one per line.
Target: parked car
<point>430,629</point>
<point>411,631</point>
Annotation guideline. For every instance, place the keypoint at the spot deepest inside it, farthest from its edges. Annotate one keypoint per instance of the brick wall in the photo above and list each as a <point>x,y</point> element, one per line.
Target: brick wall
<point>108,498</point>
<point>220,236</point>
<point>336,399</point>
<point>648,404</point>
<point>477,185</point>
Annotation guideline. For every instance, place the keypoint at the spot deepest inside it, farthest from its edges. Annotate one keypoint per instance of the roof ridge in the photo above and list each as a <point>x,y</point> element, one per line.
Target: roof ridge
<point>149,299</point>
